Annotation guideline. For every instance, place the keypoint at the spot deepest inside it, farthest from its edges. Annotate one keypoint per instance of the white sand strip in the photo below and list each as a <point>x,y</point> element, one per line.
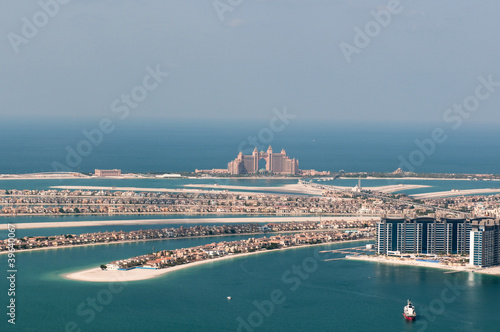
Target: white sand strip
<point>456,192</point>
<point>98,275</point>
<point>295,189</point>
<point>287,188</point>
<point>410,262</point>
<point>384,189</point>
<point>125,188</point>
<point>397,187</point>
<point>178,221</point>
<point>403,178</point>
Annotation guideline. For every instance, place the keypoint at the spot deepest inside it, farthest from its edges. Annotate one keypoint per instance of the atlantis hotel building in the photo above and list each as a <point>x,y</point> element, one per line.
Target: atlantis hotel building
<point>478,237</point>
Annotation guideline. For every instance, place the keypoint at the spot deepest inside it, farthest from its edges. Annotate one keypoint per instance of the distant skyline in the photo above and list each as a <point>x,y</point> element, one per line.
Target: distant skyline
<point>263,55</point>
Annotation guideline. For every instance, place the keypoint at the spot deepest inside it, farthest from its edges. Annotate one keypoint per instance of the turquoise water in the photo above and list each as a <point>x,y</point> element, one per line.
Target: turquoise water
<point>434,185</point>
<point>63,218</point>
<point>139,183</point>
<point>178,147</point>
<point>325,296</point>
<point>94,229</point>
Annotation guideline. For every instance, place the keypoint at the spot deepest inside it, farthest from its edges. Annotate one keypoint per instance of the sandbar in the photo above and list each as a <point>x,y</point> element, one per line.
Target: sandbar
<point>98,275</point>
<point>384,189</point>
<point>213,189</point>
<point>287,188</point>
<point>457,192</point>
<point>396,187</point>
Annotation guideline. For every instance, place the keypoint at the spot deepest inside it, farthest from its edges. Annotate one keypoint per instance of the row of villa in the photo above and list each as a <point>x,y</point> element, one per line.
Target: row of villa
<point>34,242</point>
<point>166,258</point>
<point>56,202</point>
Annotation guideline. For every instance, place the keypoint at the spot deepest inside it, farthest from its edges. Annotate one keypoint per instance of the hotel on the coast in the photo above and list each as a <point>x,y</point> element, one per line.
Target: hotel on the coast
<point>477,237</point>
<point>275,164</point>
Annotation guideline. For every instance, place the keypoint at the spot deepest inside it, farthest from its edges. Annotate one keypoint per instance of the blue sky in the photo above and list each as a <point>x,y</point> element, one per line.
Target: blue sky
<point>260,56</point>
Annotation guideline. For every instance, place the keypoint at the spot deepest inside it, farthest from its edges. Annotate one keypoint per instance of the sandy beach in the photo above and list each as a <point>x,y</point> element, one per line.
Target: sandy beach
<point>287,188</point>
<point>98,275</point>
<point>410,262</point>
<point>210,189</point>
<point>63,175</point>
<point>126,188</point>
<point>404,178</point>
<point>456,192</point>
<point>178,221</point>
<point>396,187</point>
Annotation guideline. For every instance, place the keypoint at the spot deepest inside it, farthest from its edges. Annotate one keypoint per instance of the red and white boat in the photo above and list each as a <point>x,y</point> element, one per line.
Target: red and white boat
<point>409,311</point>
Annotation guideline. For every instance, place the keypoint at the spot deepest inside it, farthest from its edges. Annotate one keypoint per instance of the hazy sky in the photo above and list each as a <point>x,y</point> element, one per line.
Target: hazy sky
<point>261,55</point>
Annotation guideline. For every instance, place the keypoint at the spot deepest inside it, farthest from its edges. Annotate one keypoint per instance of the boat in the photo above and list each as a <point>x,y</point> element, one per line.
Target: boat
<point>409,311</point>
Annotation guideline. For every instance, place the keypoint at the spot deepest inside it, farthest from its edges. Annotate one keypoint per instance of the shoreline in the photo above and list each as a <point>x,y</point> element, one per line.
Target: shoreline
<point>457,192</point>
<point>194,176</point>
<point>305,189</point>
<point>495,270</point>
<point>195,189</point>
<point>158,239</point>
<point>287,188</point>
<point>414,178</point>
<point>271,219</point>
<point>98,275</point>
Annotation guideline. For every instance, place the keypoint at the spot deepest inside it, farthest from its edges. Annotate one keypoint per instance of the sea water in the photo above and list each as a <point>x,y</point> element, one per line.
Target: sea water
<point>314,294</point>
<point>180,147</point>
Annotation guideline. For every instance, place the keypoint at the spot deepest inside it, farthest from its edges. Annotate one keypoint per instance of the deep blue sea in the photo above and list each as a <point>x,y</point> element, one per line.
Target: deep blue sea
<point>177,147</point>
<point>315,295</point>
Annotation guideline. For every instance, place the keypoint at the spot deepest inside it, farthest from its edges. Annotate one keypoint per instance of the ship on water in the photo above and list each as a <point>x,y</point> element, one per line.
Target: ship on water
<point>409,311</point>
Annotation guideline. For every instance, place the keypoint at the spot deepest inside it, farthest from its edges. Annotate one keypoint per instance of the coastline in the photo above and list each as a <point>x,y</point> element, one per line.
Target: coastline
<point>410,178</point>
<point>291,189</point>
<point>179,221</point>
<point>287,188</point>
<point>193,176</point>
<point>305,189</point>
<point>450,193</point>
<point>158,239</point>
<point>98,275</point>
<point>466,268</point>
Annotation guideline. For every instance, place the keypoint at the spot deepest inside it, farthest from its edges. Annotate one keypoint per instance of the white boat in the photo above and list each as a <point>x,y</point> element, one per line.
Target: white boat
<point>409,311</point>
